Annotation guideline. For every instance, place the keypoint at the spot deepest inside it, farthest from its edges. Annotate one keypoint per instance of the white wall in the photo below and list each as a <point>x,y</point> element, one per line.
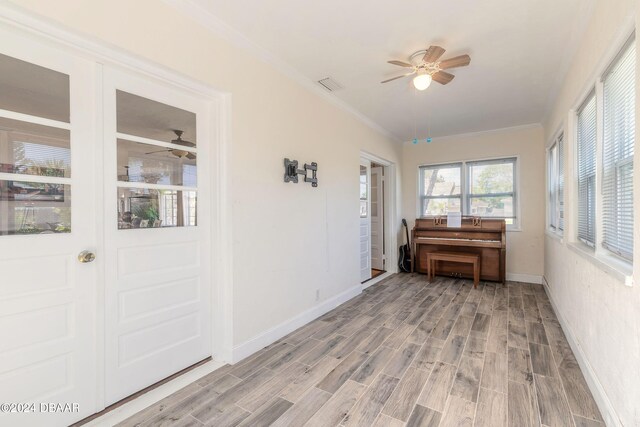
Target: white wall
<point>600,314</point>
<point>289,240</point>
<point>525,247</point>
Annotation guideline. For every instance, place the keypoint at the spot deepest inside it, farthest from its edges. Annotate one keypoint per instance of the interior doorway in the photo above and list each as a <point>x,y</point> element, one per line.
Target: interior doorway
<point>378,260</point>
<point>375,210</point>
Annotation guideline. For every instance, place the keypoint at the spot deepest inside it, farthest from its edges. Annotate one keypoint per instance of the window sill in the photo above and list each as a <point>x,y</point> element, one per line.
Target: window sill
<point>557,236</point>
<point>517,229</point>
<point>608,263</point>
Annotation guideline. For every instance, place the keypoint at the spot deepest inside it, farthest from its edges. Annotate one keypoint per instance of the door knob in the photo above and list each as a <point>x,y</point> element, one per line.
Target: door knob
<point>86,256</point>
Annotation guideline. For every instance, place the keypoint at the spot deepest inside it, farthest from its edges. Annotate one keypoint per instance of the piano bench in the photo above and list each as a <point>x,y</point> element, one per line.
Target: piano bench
<point>464,257</point>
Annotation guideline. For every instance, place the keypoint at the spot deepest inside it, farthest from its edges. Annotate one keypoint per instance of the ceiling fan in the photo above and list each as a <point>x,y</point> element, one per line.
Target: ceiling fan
<point>179,141</point>
<point>426,66</point>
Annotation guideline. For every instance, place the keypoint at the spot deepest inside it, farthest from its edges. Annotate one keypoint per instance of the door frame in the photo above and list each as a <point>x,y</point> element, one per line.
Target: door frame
<point>219,162</point>
<point>391,214</point>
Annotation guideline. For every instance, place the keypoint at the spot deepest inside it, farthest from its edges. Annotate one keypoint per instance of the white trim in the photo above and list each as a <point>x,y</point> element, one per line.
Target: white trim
<point>485,132</point>
<point>221,29</point>
<point>615,267</point>
<point>376,280</point>
<point>140,403</point>
<point>597,390</point>
<point>391,213</point>
<point>34,119</point>
<point>154,142</point>
<point>5,176</point>
<point>147,185</point>
<point>524,278</point>
<point>271,335</point>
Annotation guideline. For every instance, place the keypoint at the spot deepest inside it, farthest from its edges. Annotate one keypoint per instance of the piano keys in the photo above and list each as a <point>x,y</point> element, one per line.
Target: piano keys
<point>483,236</point>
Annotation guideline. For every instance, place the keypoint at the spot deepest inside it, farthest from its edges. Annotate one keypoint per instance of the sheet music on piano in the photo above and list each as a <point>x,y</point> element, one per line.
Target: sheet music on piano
<point>454,219</point>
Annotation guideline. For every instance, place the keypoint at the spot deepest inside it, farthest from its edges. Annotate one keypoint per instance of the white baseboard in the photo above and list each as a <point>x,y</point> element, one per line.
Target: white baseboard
<point>525,278</point>
<point>607,410</point>
<point>269,336</point>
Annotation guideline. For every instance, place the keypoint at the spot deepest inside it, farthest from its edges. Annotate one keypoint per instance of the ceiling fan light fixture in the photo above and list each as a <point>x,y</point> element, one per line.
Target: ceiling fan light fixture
<point>422,81</point>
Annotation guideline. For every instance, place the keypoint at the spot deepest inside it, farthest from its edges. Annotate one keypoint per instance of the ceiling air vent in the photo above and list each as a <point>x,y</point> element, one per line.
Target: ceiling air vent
<point>331,85</point>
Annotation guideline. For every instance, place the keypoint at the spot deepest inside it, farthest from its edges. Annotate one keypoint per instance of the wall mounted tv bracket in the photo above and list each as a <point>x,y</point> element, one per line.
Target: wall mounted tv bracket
<point>291,172</point>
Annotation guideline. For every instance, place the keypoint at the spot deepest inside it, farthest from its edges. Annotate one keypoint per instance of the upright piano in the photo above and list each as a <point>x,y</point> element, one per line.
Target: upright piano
<point>482,236</point>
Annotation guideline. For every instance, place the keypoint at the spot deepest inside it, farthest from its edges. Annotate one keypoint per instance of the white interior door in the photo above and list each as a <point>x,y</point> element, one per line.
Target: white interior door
<point>365,220</point>
<point>47,217</point>
<point>377,218</point>
<point>157,214</point>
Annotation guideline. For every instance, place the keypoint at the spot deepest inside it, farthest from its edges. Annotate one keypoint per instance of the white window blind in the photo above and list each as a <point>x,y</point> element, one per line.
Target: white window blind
<point>619,139</point>
<point>587,171</point>
<point>552,179</point>
<point>560,182</point>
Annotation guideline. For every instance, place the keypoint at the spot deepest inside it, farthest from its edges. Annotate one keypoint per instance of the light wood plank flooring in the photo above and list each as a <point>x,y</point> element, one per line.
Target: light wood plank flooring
<point>404,352</point>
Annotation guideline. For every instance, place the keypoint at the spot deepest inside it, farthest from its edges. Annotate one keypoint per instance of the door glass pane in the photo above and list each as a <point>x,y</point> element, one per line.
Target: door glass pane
<point>441,206</point>
<point>150,163</point>
<point>34,208</point>
<point>150,208</point>
<point>30,89</point>
<point>31,149</point>
<point>153,164</point>
<point>143,117</point>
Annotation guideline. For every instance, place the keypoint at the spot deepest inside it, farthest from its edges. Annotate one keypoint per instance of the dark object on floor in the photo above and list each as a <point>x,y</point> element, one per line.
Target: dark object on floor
<point>404,257</point>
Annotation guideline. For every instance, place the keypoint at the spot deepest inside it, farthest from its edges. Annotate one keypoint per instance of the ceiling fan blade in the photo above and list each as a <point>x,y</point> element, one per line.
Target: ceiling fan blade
<point>400,63</point>
<point>398,77</point>
<point>159,151</point>
<point>433,54</point>
<point>191,156</point>
<point>458,61</point>
<point>443,77</point>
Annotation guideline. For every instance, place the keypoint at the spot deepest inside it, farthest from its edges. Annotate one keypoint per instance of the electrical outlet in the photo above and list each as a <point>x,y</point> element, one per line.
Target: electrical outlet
<point>317,294</point>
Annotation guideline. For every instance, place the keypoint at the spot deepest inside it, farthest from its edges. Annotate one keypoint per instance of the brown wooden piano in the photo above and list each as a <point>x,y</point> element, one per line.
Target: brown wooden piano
<point>482,236</point>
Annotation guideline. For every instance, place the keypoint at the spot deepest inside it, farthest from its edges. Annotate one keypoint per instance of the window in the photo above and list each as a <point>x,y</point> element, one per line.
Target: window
<point>617,154</point>
<point>440,190</point>
<point>587,171</point>
<point>555,185</point>
<point>364,192</point>
<point>488,191</point>
<point>491,189</point>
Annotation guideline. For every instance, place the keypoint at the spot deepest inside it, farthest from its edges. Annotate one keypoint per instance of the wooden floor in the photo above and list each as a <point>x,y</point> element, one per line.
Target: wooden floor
<point>404,352</point>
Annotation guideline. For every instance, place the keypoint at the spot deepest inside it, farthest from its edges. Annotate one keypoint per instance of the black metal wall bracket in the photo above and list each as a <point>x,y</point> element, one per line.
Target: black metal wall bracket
<point>291,172</point>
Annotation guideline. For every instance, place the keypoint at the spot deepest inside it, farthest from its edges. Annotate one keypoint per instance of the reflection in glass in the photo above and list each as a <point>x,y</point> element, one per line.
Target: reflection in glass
<point>150,208</point>
<point>34,208</point>
<point>441,206</point>
<point>31,149</point>
<point>143,117</point>
<point>30,89</point>
<point>154,165</point>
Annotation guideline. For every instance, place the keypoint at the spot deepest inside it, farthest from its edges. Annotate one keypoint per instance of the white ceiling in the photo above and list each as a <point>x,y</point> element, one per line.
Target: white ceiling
<point>519,54</point>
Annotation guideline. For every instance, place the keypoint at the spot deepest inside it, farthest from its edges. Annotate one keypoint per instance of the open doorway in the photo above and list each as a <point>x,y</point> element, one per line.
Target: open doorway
<point>374,223</point>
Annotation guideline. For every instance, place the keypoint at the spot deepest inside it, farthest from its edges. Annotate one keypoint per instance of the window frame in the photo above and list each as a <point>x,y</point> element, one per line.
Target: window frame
<point>422,197</point>
<point>465,194</point>
<point>603,258</point>
<point>555,180</point>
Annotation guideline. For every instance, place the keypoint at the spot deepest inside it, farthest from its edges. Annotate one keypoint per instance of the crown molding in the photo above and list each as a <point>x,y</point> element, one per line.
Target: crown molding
<point>485,132</point>
<point>223,30</point>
